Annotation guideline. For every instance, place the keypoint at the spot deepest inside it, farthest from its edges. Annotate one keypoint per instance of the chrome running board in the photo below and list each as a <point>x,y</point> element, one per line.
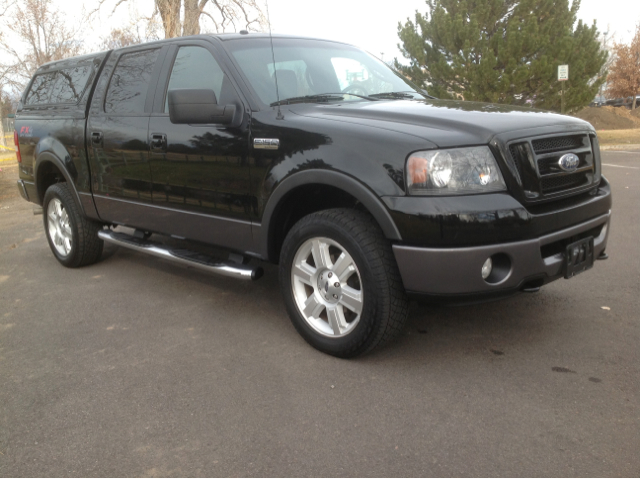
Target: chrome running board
<point>181,256</point>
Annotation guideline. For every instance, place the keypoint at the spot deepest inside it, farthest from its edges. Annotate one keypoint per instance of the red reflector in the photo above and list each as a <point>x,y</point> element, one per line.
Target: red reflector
<point>16,141</point>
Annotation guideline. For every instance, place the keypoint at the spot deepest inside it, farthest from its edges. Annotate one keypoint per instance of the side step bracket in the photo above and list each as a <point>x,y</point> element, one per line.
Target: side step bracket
<point>181,256</point>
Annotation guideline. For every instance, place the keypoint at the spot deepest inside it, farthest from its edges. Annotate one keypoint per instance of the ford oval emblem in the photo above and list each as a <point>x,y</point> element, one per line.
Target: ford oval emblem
<point>569,162</point>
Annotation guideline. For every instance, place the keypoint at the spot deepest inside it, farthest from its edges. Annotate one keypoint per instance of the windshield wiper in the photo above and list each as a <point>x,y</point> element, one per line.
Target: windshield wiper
<point>393,95</point>
<point>321,97</point>
<point>399,95</point>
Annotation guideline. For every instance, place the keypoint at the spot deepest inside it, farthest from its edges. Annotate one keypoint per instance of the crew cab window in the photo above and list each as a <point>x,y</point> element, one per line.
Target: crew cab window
<point>40,89</point>
<point>61,86</point>
<point>128,87</point>
<point>195,68</point>
<point>69,84</point>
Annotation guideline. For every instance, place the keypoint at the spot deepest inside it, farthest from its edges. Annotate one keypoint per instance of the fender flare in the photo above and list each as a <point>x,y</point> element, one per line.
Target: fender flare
<point>359,191</point>
<point>49,157</point>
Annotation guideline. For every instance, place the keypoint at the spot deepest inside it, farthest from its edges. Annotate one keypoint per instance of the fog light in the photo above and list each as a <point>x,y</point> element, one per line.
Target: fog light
<point>486,268</point>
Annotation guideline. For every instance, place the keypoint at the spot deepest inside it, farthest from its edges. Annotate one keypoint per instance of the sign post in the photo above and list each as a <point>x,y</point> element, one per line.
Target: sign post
<point>563,75</point>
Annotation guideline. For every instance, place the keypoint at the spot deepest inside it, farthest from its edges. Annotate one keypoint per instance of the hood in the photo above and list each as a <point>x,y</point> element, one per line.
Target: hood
<point>446,123</point>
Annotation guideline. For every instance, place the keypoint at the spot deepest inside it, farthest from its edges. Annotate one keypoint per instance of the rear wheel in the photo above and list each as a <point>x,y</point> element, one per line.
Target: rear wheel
<point>73,239</point>
<point>340,283</point>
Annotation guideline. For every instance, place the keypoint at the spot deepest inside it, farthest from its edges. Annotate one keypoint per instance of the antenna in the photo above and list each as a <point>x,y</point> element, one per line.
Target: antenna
<point>279,116</point>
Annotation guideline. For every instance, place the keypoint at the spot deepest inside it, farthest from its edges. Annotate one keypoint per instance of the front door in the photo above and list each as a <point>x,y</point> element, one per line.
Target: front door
<point>200,173</point>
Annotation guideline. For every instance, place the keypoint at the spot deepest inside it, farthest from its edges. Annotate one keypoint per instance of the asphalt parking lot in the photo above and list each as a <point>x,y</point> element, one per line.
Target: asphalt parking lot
<point>137,367</point>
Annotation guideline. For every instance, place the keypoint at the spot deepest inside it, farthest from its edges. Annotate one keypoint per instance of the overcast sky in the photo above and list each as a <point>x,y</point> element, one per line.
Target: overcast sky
<point>369,24</point>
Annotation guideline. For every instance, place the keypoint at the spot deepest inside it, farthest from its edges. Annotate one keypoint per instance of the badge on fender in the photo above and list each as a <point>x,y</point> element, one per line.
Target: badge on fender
<point>266,143</point>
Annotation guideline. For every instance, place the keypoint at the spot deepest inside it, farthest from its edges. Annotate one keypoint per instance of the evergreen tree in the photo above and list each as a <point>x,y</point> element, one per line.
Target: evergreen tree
<point>503,51</point>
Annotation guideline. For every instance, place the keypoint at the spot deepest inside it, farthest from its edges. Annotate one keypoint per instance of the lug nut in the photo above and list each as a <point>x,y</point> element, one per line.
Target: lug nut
<point>330,274</point>
<point>337,285</point>
<point>335,296</point>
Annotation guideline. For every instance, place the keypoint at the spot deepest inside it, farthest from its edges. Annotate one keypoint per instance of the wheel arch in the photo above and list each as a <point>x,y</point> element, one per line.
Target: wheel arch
<point>279,213</point>
<point>50,169</point>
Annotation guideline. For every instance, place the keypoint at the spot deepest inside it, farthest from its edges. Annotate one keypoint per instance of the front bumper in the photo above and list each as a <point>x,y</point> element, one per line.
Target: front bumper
<point>457,271</point>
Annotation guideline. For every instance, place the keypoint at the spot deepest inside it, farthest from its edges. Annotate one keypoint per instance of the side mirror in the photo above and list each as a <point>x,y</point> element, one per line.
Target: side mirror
<point>198,106</point>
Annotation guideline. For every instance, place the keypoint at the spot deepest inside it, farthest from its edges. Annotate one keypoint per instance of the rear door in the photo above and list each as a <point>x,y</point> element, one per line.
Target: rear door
<point>200,173</point>
<point>117,134</point>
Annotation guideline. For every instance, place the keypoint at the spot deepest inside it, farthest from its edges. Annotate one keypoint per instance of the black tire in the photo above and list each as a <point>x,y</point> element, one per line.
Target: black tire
<point>383,304</point>
<point>84,247</point>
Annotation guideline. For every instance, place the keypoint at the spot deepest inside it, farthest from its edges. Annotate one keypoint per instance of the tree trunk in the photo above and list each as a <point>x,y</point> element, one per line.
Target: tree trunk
<point>191,24</point>
<point>170,13</point>
<point>3,141</point>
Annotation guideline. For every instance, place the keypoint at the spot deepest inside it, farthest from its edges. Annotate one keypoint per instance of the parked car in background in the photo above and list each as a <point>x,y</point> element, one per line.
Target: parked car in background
<point>615,102</point>
<point>623,102</point>
<point>628,102</point>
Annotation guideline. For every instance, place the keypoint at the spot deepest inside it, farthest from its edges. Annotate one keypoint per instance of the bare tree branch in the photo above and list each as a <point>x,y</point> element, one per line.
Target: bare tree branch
<point>41,30</point>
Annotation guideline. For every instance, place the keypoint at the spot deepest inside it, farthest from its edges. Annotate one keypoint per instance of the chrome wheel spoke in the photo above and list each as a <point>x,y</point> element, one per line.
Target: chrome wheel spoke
<point>341,265</point>
<point>320,252</point>
<point>344,267</point>
<point>312,307</point>
<point>337,320</point>
<point>351,299</point>
<point>304,272</point>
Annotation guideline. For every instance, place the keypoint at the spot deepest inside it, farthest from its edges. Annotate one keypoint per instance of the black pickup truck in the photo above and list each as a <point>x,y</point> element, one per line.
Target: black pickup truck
<point>318,157</point>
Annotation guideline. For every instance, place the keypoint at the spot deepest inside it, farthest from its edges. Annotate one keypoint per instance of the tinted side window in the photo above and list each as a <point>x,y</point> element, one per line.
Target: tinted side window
<point>40,89</point>
<point>195,67</point>
<point>69,84</point>
<point>127,90</point>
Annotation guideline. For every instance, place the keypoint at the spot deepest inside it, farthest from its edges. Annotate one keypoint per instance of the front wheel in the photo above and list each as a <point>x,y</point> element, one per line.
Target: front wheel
<point>340,283</point>
<point>73,238</point>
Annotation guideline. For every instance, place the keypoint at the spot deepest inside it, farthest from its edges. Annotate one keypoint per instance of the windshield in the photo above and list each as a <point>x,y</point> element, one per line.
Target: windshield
<point>315,67</point>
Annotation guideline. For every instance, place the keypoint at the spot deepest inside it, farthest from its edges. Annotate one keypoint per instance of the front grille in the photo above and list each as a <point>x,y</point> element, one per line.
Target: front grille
<point>558,143</point>
<point>550,165</point>
<point>513,149</point>
<point>558,183</point>
<point>537,162</point>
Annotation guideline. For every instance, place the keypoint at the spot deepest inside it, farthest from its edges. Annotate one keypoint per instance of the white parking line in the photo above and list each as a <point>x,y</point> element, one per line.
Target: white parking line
<point>618,166</point>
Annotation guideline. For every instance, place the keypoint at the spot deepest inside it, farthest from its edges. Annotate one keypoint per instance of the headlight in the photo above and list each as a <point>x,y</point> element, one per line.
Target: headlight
<point>460,171</point>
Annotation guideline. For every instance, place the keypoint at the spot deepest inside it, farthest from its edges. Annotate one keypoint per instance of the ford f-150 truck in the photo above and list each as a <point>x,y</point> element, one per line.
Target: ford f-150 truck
<point>316,156</point>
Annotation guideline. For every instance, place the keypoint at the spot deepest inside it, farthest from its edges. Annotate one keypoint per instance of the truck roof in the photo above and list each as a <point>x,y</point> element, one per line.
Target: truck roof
<point>220,36</point>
